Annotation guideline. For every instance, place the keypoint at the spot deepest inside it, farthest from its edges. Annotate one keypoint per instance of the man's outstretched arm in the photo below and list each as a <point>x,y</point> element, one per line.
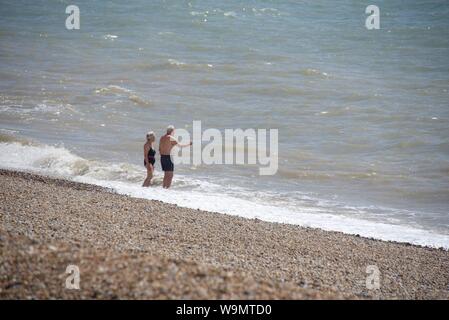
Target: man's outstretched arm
<point>176,143</point>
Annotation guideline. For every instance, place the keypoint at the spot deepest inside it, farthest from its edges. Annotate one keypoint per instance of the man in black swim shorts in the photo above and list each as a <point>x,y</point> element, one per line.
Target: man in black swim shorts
<point>166,143</point>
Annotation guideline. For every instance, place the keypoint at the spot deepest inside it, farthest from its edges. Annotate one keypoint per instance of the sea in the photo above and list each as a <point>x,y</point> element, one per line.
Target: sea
<point>362,114</point>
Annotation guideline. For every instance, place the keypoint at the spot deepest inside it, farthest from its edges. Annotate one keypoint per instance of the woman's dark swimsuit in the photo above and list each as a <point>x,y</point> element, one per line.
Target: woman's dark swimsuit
<point>167,164</point>
<point>151,157</point>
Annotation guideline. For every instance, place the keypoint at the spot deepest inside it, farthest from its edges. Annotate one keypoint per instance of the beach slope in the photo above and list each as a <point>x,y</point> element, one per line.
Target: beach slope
<point>140,249</point>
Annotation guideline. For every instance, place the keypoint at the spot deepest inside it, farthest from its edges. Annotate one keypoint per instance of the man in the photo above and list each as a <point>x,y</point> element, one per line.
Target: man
<point>166,143</point>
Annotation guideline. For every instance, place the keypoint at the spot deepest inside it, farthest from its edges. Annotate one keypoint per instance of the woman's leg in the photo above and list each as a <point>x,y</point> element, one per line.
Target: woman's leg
<point>147,181</point>
<point>150,173</point>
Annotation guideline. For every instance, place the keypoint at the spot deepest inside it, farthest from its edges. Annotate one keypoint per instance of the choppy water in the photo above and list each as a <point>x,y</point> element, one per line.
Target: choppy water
<point>363,116</point>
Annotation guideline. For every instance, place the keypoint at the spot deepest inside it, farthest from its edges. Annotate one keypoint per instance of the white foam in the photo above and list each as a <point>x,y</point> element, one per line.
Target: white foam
<point>126,179</point>
<point>231,14</point>
<point>111,37</point>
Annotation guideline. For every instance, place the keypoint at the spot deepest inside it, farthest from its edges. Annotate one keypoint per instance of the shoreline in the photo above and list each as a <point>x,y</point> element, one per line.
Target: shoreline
<point>223,200</point>
<point>211,254</point>
<point>60,180</point>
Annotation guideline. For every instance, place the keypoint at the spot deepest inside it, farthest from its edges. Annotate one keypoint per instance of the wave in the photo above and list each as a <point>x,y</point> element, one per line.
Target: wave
<point>270,12</point>
<point>189,192</point>
<point>231,14</point>
<point>199,13</point>
<point>139,100</point>
<point>267,11</point>
<point>184,65</point>
<point>174,64</point>
<point>111,37</point>
<point>117,90</point>
<point>8,138</point>
<point>316,175</point>
<point>112,89</point>
<point>165,33</point>
<point>314,72</point>
<point>46,106</point>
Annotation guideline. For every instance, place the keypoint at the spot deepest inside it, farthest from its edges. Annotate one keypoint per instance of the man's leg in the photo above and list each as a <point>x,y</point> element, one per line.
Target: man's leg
<point>169,178</point>
<point>164,182</point>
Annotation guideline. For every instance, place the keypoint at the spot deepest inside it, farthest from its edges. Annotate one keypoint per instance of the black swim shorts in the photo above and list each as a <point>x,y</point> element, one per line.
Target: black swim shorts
<point>167,164</point>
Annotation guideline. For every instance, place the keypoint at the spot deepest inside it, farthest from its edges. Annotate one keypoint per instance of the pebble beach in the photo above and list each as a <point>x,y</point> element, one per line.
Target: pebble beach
<point>129,248</point>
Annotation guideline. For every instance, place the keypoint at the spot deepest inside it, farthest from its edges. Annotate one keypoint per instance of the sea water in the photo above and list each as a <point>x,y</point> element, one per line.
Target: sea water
<point>363,115</point>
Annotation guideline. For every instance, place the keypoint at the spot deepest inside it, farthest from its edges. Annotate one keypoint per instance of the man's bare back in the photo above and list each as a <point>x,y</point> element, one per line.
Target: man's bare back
<point>166,143</point>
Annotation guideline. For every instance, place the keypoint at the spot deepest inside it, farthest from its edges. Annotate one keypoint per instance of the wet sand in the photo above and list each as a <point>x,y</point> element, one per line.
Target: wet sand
<point>141,249</point>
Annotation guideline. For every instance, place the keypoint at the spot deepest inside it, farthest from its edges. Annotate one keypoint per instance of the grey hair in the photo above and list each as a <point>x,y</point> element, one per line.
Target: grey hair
<point>170,129</point>
<point>150,134</point>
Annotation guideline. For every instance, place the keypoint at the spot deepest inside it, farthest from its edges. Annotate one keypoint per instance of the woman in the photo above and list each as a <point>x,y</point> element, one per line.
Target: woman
<point>149,157</point>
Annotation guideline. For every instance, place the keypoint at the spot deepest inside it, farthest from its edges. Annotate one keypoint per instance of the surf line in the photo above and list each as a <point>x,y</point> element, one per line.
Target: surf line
<point>235,147</point>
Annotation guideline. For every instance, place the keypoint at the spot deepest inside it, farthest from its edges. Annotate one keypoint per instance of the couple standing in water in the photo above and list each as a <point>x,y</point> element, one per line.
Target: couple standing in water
<point>166,144</point>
